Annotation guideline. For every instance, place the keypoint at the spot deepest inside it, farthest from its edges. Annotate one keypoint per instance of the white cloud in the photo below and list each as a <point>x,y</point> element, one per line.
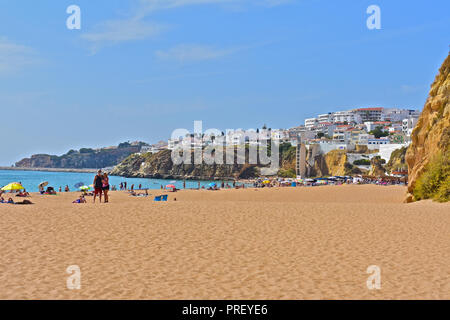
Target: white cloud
<point>148,6</point>
<point>117,31</point>
<point>113,32</point>
<point>193,53</point>
<point>14,57</point>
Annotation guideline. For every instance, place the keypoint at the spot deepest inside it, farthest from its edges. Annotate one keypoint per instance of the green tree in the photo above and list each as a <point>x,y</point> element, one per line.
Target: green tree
<point>378,132</point>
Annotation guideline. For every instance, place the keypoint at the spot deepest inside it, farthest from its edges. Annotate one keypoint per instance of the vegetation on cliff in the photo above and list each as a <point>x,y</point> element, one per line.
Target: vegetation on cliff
<point>85,158</point>
<point>428,154</point>
<point>397,161</point>
<point>334,163</point>
<point>160,165</point>
<point>377,167</point>
<point>288,161</point>
<point>434,183</point>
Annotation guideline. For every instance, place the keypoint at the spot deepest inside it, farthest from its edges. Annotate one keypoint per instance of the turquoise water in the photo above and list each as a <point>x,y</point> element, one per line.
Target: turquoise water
<point>31,179</point>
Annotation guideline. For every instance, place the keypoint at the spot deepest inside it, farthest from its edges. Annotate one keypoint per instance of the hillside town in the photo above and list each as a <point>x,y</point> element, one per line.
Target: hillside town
<point>378,130</point>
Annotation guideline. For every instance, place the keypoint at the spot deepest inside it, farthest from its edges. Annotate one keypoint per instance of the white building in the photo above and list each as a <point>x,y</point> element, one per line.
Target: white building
<point>311,123</point>
<point>363,138</point>
<point>370,114</point>
<point>408,125</point>
<point>173,143</point>
<point>395,127</point>
<point>372,125</point>
<point>345,116</point>
<point>151,149</point>
<point>396,115</point>
<point>325,118</point>
<point>326,128</point>
<point>387,149</point>
<point>379,141</point>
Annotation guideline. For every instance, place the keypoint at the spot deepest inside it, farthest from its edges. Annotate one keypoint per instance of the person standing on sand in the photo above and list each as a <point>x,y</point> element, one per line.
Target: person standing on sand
<point>105,187</point>
<point>98,185</point>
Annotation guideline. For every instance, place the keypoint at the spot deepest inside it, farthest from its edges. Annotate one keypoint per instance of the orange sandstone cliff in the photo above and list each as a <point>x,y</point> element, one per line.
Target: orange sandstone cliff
<point>428,156</point>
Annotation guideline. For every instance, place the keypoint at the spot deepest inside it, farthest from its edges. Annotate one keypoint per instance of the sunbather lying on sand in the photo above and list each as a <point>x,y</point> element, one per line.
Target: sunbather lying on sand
<point>23,194</point>
<point>134,194</point>
<point>82,199</point>
<point>24,202</point>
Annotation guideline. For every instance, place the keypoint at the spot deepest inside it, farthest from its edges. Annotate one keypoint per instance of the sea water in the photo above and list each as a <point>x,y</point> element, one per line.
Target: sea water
<point>31,180</point>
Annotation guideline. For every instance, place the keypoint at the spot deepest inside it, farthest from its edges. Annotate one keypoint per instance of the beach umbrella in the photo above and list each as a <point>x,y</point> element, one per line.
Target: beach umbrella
<point>171,186</point>
<point>79,184</point>
<point>84,188</point>
<point>212,184</point>
<point>266,181</point>
<point>13,186</point>
<point>43,184</point>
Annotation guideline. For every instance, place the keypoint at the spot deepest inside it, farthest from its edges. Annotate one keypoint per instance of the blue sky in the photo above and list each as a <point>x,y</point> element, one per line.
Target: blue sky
<point>139,69</point>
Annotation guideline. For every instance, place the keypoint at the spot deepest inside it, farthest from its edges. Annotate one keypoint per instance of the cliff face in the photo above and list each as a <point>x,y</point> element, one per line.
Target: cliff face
<point>334,163</point>
<point>428,155</point>
<point>377,168</point>
<point>161,166</point>
<point>397,161</point>
<point>82,159</point>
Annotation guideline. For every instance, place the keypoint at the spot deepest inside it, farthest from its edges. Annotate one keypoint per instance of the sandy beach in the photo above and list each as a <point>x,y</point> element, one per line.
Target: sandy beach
<point>285,243</point>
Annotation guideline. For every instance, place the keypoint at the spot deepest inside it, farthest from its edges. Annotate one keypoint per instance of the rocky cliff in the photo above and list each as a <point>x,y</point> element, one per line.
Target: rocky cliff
<point>428,155</point>
<point>160,165</point>
<point>81,159</point>
<point>397,161</point>
<point>334,163</point>
<point>377,169</point>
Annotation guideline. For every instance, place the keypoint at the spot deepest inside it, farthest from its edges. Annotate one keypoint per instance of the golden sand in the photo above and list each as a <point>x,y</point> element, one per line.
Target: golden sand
<point>288,243</point>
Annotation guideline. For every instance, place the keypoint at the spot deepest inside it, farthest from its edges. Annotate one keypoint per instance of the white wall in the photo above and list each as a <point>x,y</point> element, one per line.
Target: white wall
<point>387,149</point>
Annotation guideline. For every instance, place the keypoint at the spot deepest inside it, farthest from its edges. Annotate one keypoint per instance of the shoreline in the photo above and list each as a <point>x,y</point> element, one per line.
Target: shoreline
<point>49,169</point>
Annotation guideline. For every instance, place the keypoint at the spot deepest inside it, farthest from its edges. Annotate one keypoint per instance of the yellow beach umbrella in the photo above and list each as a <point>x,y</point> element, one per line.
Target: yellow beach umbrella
<point>13,186</point>
<point>266,181</point>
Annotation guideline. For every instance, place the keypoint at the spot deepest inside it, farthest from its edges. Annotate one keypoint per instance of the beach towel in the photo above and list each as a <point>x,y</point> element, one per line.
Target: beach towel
<point>157,198</point>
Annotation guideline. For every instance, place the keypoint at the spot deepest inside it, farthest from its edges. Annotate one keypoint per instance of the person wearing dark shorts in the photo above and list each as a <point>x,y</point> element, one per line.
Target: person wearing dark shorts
<point>98,185</point>
<point>105,187</point>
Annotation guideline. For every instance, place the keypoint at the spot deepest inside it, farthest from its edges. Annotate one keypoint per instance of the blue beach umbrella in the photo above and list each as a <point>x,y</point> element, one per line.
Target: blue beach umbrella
<point>79,184</point>
<point>212,184</point>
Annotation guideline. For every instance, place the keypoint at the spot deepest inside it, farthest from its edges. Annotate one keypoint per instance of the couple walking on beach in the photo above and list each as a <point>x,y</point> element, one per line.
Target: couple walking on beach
<point>101,186</point>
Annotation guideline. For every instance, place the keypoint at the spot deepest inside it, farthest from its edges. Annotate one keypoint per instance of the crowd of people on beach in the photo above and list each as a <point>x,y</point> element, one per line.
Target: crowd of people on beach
<point>101,186</point>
